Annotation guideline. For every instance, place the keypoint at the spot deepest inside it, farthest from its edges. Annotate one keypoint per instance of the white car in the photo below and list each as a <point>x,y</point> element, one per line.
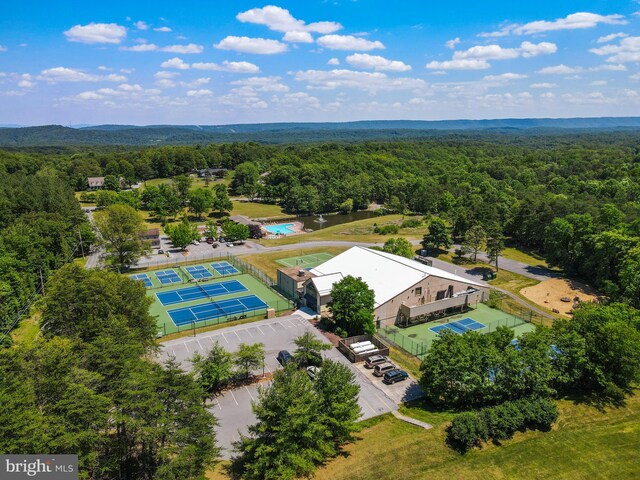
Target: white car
<point>196,242</point>
<point>229,244</point>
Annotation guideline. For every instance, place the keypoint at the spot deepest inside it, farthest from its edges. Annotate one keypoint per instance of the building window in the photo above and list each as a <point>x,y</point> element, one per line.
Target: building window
<point>418,291</point>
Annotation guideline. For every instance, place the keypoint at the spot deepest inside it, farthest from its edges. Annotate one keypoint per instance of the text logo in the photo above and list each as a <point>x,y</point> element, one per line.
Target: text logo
<point>46,467</point>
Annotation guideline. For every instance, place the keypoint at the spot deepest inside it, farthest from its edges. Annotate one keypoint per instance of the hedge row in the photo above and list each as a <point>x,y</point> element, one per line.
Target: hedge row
<point>471,429</point>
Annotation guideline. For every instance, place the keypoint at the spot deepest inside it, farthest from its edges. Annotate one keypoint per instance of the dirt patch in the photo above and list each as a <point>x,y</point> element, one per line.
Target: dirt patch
<point>559,294</point>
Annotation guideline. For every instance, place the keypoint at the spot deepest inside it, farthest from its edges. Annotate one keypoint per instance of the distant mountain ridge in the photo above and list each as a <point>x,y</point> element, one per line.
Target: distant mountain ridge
<point>299,132</point>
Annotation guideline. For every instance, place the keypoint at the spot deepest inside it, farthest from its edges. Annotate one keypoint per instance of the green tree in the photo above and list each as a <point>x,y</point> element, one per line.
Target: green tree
<point>399,246</point>
<point>437,236</point>
<point>214,371</point>
<point>249,358</point>
<point>182,185</point>
<point>338,390</point>
<point>234,232</point>
<point>346,206</point>
<point>474,239</point>
<point>104,198</point>
<point>200,201</point>
<point>495,245</point>
<point>309,349</point>
<point>245,180</point>
<point>352,305</point>
<point>112,183</point>
<point>182,234</point>
<point>121,228</point>
<point>289,439</point>
<point>221,200</point>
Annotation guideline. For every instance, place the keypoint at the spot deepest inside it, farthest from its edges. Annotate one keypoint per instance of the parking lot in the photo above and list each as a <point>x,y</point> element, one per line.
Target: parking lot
<point>233,408</point>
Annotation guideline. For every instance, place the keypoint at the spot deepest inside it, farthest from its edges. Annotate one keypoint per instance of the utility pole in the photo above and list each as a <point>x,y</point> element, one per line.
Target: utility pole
<point>81,246</point>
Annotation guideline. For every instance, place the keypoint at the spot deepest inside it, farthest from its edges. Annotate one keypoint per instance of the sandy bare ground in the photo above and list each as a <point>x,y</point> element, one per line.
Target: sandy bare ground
<point>549,293</point>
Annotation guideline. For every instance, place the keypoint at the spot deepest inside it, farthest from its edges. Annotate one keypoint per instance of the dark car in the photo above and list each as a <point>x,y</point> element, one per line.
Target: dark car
<point>395,376</point>
<point>374,360</point>
<point>284,357</point>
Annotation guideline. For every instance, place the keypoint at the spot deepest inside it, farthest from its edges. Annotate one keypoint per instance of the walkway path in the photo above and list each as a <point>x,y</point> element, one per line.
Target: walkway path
<point>412,421</point>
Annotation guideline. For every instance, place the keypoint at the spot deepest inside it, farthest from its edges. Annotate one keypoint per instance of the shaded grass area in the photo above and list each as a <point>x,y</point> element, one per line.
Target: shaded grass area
<point>268,262</point>
<point>358,231</point>
<point>27,330</point>
<point>530,258</point>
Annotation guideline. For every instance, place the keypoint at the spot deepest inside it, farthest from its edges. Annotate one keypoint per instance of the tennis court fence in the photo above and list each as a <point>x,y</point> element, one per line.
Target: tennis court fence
<point>414,347</point>
<point>278,306</point>
<point>245,267</point>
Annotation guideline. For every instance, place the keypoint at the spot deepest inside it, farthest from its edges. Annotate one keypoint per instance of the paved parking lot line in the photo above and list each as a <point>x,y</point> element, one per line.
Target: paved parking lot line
<point>253,399</point>
<point>234,397</point>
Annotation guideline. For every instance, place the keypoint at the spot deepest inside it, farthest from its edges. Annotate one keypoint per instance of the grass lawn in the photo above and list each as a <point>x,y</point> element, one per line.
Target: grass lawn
<point>586,443</point>
<point>524,257</point>
<point>358,231</point>
<point>27,330</point>
<point>257,210</point>
<point>268,262</point>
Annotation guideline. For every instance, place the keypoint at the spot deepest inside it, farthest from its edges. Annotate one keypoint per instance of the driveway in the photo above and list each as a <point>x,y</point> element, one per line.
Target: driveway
<point>233,408</point>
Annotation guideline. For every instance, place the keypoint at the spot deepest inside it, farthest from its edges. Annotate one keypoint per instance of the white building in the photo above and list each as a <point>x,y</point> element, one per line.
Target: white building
<point>405,290</point>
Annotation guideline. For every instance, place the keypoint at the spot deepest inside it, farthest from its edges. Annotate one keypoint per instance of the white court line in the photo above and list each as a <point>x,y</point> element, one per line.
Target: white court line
<point>234,397</point>
<point>253,399</point>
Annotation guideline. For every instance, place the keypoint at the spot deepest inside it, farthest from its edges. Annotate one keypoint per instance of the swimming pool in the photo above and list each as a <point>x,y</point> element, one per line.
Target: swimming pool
<point>280,229</point>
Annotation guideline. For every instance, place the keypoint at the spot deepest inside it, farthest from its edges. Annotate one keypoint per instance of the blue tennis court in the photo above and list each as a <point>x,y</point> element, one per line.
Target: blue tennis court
<point>460,326</point>
<point>222,308</point>
<point>200,291</point>
<point>225,268</point>
<point>198,272</point>
<point>143,278</point>
<point>168,276</point>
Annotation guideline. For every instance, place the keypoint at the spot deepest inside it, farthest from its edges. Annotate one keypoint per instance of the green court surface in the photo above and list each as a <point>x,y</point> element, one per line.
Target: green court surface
<point>418,339</point>
<point>306,261</point>
<point>253,285</point>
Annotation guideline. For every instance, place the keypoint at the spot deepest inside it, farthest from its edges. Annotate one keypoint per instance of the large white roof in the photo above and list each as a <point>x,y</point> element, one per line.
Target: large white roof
<point>386,274</point>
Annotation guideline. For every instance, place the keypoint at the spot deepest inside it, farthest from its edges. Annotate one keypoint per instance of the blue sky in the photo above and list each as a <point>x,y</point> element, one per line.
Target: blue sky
<point>216,62</point>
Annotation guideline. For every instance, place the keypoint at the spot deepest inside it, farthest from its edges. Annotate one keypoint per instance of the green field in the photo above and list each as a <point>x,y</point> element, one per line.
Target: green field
<point>418,339</point>
<point>254,286</point>
<point>306,261</point>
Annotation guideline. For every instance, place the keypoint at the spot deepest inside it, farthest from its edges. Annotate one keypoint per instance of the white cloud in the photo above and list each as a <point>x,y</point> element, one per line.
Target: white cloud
<point>348,42</point>
<point>104,69</point>
<point>166,75</point>
<point>143,47</point>
<point>496,52</point>
<point>26,81</point>
<point>226,66</point>
<point>165,83</point>
<point>333,61</point>
<point>281,20</point>
<point>260,46</point>
<point>452,43</point>
<point>96,33</point>
<point>547,95</point>
<point>162,29</point>
<point>628,50</point>
<point>635,76</point>
<point>140,25</point>
<point>64,74</point>
<point>375,62</point>
<point>543,85</point>
<point>579,20</point>
<point>262,84</point>
<point>505,77</point>
<point>370,82</point>
<point>3,48</point>
<point>611,37</point>
<point>184,49</point>
<point>598,83</point>
<point>298,37</point>
<point>199,93</point>
<point>561,69</point>
<point>176,63</point>
<point>609,68</point>
<point>463,64</point>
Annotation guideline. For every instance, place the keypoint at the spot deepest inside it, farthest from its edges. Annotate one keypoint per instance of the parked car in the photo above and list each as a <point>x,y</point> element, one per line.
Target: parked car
<point>381,369</point>
<point>374,360</point>
<point>284,357</point>
<point>313,371</point>
<point>196,242</point>
<point>210,240</point>
<point>160,252</point>
<point>229,244</point>
<point>215,244</point>
<point>394,376</point>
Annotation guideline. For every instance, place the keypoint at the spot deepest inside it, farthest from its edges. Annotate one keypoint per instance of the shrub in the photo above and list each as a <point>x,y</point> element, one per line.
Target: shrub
<point>411,223</point>
<point>539,414</point>
<point>467,430</point>
<point>391,229</point>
